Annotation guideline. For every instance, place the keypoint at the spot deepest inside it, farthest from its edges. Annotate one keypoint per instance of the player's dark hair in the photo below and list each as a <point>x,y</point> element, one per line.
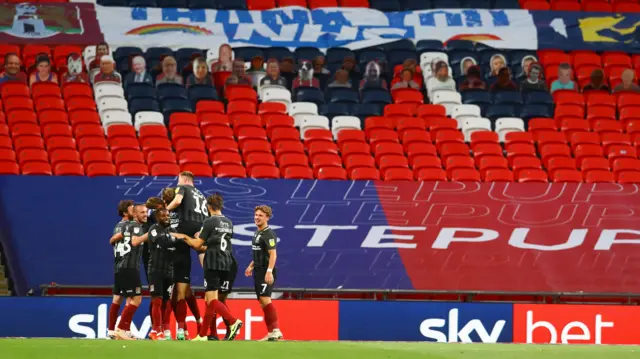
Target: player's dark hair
<point>265,209</point>
<point>123,207</point>
<point>158,211</point>
<point>187,174</point>
<point>216,202</point>
<point>168,194</point>
<point>154,203</point>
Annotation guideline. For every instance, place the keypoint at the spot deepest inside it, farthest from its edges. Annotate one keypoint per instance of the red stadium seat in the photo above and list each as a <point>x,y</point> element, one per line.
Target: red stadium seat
<point>198,169</point>
<point>209,106</point>
<point>49,103</point>
<point>245,120</point>
<point>315,4</point>
<point>100,169</point>
<point>532,175</point>
<point>73,90</point>
<point>415,136</point>
<point>36,169</point>
<point>25,129</point>
<point>287,146</point>
<point>465,175</point>
<point>264,171</point>
<point>230,170</point>
<point>133,169</point>
<point>566,175</point>
<point>420,149</point>
<point>584,151</point>
<point>160,156</point>
<point>259,159</point>
<point>56,130</point>
<point>593,164</point>
<point>192,157</point>
<point>398,174</point>
<point>153,131</point>
<point>349,135</point>
<point>286,3</point>
<point>164,169</point>
<point>297,172</point>
<point>185,132</point>
<point>293,159</point>
<point>404,96</point>
<point>400,110</point>
<point>241,93</point>
<point>241,106</point>
<point>21,116</point>
<point>214,119</point>
<point>189,144</point>
<point>431,174</point>
<point>45,89</point>
<point>364,173</point>
<point>389,162</point>
<point>261,4</point>
<point>358,160</point>
<point>12,90</point>
<point>355,148</point>
<point>326,160</point>
<point>599,176</point>
<point>9,168</point>
<point>64,155</point>
<point>223,145</point>
<point>68,169</point>
<point>354,3</point>
<point>182,119</point>
<point>32,155</point>
<point>420,162</point>
<point>128,156</point>
<point>498,175</point>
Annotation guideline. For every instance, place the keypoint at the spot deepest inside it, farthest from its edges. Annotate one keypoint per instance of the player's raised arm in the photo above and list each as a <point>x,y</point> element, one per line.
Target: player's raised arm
<point>117,237</point>
<point>196,243</point>
<point>138,240</point>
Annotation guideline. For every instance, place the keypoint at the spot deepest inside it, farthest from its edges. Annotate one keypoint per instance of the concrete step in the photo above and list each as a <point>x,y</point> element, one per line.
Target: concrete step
<point>4,284</point>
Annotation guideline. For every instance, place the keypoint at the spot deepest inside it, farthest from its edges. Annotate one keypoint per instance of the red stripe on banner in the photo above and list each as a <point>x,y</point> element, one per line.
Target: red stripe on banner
<point>516,237</point>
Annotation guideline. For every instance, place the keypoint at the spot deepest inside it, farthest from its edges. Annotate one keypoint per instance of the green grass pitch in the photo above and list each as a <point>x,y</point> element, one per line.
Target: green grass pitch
<point>108,349</point>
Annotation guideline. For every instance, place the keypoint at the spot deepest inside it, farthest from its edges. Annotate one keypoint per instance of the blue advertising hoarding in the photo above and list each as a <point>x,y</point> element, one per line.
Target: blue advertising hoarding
<point>81,317</point>
<point>426,321</point>
<point>331,233</point>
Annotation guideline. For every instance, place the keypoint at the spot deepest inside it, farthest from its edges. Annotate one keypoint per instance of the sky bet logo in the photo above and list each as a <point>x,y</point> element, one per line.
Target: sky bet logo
<point>427,321</point>
<point>452,330</point>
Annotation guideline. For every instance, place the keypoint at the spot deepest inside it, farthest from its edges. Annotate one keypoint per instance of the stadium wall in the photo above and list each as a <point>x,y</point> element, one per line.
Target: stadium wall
<point>351,320</point>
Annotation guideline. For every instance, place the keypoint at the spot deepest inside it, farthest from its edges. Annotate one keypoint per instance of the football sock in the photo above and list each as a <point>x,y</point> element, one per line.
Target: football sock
<point>213,328</point>
<point>271,317</point>
<point>127,316</point>
<point>156,314</point>
<point>113,315</point>
<point>166,314</point>
<point>151,313</point>
<point>222,310</point>
<point>192,302</point>
<point>181,313</point>
<point>209,317</point>
<point>224,320</point>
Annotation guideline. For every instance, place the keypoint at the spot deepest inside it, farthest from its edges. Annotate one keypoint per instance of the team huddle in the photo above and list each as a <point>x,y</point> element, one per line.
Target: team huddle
<point>161,234</point>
